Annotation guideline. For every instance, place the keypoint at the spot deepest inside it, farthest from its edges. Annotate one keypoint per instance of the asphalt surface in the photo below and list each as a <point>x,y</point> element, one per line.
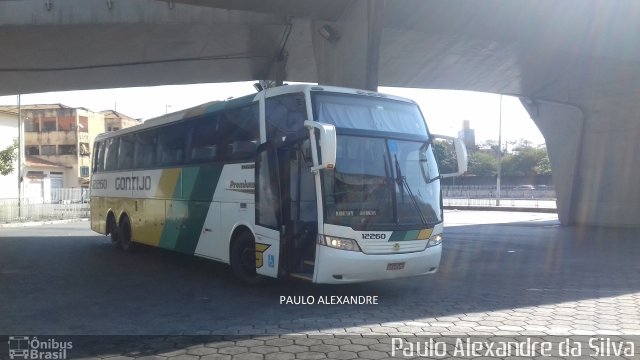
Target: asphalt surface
<point>502,275</point>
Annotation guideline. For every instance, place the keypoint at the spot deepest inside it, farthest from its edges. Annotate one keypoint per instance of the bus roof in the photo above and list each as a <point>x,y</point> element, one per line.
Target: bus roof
<point>214,106</point>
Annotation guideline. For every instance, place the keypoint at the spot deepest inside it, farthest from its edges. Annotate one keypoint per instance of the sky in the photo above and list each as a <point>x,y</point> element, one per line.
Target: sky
<point>444,110</point>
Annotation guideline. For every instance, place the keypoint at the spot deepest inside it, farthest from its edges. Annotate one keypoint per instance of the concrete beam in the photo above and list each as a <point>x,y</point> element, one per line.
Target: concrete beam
<point>347,51</point>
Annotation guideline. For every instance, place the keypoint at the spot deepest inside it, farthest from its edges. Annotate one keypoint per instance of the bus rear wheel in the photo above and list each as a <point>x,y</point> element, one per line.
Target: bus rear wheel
<point>113,231</point>
<point>125,235</point>
<point>243,259</point>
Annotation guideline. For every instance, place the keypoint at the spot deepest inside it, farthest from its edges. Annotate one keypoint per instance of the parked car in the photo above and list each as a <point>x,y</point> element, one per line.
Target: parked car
<point>525,187</point>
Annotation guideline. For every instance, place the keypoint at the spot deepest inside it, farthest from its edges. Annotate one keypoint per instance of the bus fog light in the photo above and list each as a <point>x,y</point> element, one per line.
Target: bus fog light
<point>338,243</point>
<point>435,240</point>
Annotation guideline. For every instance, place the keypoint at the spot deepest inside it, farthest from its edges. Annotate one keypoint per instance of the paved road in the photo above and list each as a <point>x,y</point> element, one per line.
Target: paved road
<point>502,274</point>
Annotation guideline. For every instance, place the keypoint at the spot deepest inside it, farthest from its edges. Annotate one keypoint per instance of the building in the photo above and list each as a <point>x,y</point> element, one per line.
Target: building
<point>468,135</point>
<point>114,120</point>
<point>58,140</point>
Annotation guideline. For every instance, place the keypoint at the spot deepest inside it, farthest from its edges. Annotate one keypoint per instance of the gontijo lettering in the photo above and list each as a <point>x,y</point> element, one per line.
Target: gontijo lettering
<point>133,183</point>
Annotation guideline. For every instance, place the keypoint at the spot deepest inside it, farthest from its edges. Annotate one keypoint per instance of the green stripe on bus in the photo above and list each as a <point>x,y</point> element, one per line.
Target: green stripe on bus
<point>185,218</point>
<point>404,235</point>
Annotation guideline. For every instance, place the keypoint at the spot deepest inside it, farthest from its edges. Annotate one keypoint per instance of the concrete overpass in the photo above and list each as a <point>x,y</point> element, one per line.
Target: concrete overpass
<point>574,63</point>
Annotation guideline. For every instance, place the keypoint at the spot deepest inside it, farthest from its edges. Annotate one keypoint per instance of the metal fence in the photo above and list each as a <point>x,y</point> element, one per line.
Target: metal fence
<point>62,204</point>
<point>504,203</point>
<point>74,203</point>
<point>489,192</point>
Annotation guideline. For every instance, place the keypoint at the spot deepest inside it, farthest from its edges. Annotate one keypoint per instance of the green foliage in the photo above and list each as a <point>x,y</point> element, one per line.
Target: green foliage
<point>7,158</point>
<point>445,157</point>
<point>482,164</point>
<point>526,161</point>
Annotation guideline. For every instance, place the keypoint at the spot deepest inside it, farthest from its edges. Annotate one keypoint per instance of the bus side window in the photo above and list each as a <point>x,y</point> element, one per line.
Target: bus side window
<point>204,139</point>
<point>125,153</point>
<point>241,129</point>
<point>111,154</point>
<point>172,141</point>
<point>98,156</point>
<point>145,150</point>
<point>284,115</point>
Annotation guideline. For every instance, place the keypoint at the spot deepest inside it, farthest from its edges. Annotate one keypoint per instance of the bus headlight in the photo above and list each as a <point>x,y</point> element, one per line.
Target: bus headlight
<point>338,243</point>
<point>435,240</point>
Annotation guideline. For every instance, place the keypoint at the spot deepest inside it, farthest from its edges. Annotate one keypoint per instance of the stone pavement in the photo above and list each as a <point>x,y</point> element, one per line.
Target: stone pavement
<point>499,281</point>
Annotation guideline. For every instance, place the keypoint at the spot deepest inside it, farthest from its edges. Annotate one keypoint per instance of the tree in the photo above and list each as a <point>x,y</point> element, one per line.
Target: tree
<point>526,160</point>
<point>8,157</point>
<point>445,157</point>
<point>482,164</point>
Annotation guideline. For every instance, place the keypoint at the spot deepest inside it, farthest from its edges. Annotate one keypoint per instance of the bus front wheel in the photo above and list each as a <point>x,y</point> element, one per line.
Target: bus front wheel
<point>243,259</point>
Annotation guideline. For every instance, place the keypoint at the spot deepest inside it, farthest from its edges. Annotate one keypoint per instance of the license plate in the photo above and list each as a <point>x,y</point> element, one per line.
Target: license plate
<point>395,266</point>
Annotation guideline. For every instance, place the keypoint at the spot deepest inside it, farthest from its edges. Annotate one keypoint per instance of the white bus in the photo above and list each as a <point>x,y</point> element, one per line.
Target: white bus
<point>326,184</point>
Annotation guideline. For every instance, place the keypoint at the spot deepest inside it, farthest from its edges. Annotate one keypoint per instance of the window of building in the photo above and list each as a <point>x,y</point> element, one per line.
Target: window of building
<point>171,144</point>
<point>111,154</point>
<point>66,123</point>
<point>84,171</point>
<point>48,124</point>
<point>32,125</point>
<point>145,151</point>
<point>66,149</point>
<point>32,150</point>
<point>204,139</point>
<point>125,153</point>
<point>47,150</point>
<point>83,124</point>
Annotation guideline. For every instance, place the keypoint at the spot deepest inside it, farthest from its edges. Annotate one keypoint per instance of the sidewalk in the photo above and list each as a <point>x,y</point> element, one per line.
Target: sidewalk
<point>39,223</point>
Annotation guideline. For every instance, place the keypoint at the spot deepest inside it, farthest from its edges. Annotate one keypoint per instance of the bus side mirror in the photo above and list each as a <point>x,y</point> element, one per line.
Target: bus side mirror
<point>326,141</point>
<point>460,151</point>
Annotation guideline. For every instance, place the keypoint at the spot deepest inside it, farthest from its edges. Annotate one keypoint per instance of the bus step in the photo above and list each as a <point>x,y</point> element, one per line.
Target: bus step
<point>302,276</point>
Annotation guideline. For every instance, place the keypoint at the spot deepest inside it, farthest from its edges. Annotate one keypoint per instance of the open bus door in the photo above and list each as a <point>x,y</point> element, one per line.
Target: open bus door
<point>268,211</point>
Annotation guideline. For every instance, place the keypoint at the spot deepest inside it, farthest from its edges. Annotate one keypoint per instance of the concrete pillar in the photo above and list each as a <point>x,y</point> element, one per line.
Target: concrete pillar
<point>561,125</point>
<point>347,51</point>
<point>594,155</point>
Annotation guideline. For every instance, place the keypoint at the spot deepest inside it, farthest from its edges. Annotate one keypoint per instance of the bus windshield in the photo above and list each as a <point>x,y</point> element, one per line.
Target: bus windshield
<point>385,176</point>
<point>368,113</point>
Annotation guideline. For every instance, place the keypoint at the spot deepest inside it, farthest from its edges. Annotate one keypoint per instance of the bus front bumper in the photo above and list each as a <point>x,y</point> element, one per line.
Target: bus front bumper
<point>334,266</point>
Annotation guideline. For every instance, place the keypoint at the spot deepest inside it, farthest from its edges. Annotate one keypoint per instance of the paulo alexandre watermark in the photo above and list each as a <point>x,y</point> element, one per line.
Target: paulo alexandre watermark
<point>467,347</point>
<point>330,300</point>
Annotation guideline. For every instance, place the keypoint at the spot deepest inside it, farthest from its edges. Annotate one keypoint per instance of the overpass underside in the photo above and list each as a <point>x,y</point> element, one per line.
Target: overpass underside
<point>575,64</point>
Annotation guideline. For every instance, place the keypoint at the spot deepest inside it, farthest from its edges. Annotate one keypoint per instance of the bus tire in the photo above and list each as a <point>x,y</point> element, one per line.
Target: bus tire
<point>125,235</point>
<point>243,259</point>
<point>113,231</point>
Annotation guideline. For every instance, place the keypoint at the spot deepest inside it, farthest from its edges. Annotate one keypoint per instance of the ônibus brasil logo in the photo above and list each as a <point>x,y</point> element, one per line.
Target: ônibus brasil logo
<point>31,348</point>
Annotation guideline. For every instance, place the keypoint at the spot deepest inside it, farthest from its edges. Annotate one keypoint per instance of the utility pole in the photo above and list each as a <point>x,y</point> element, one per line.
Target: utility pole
<point>20,146</point>
<point>499,155</point>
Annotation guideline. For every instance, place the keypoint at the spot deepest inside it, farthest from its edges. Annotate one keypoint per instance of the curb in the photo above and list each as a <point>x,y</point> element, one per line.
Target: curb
<point>39,223</point>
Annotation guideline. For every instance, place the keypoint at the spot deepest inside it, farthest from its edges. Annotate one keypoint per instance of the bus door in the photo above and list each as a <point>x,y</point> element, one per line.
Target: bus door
<point>269,226</point>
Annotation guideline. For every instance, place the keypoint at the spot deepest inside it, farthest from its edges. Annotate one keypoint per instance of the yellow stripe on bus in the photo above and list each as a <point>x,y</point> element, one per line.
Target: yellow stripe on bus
<point>167,183</point>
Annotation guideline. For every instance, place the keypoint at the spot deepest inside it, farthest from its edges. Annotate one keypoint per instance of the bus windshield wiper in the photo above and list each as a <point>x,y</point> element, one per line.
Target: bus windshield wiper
<point>404,185</point>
